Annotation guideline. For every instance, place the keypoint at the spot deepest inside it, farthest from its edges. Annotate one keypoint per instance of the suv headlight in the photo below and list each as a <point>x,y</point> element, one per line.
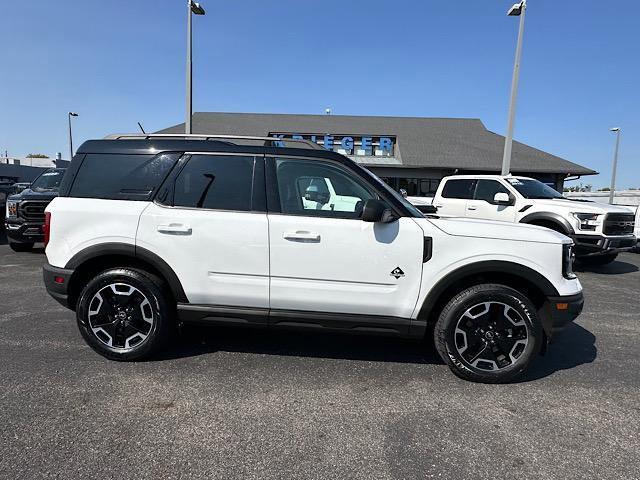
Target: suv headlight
<point>587,221</point>
<point>567,261</point>
<point>12,209</point>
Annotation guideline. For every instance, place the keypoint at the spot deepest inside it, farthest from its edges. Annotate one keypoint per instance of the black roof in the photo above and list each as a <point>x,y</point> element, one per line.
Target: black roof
<point>450,143</point>
<point>152,145</point>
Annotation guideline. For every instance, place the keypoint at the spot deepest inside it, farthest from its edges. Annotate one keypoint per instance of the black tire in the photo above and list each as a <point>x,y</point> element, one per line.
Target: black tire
<point>598,260</point>
<point>119,336</point>
<point>473,301</point>
<point>21,247</point>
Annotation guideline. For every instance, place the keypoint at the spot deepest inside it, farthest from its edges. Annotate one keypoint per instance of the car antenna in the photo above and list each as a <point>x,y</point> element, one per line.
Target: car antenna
<point>140,125</point>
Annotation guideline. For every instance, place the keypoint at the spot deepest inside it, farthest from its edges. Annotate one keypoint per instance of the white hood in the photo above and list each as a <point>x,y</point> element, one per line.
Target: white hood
<point>584,206</point>
<point>467,227</point>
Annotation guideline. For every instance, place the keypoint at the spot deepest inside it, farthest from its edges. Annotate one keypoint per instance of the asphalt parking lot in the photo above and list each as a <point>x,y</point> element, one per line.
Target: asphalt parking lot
<point>249,404</point>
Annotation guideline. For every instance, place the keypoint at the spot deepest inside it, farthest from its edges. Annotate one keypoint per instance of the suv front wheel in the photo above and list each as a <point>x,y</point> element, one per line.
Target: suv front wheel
<point>123,314</point>
<point>488,333</point>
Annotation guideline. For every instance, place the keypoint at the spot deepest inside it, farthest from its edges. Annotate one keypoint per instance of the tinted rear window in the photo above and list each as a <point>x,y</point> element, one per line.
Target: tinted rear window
<point>459,189</point>
<point>121,177</point>
<point>215,182</point>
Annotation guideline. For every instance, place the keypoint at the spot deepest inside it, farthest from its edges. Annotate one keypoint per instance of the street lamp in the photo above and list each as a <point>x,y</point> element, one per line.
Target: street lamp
<point>517,10</point>
<point>616,130</point>
<point>71,114</point>
<point>196,9</point>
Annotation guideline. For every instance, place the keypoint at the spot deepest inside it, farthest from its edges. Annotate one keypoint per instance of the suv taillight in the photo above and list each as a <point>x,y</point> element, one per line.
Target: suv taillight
<point>46,228</point>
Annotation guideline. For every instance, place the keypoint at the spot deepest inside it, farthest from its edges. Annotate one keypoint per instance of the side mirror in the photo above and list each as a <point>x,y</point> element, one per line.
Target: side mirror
<point>376,211</point>
<point>502,198</point>
<point>313,194</point>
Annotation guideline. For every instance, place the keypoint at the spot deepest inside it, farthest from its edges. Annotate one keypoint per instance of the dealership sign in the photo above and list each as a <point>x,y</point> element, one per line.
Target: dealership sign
<point>347,144</point>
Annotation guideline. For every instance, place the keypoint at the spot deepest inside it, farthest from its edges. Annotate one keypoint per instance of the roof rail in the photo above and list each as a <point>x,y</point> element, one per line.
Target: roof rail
<point>146,136</point>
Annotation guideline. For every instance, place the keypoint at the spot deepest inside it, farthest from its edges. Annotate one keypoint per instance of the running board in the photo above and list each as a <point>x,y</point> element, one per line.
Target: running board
<point>294,319</point>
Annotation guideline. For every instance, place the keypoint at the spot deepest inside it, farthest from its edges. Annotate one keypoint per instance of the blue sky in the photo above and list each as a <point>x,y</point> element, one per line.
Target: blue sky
<point>117,62</point>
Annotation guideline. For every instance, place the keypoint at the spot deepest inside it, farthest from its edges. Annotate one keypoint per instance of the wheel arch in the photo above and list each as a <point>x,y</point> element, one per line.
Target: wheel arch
<point>549,218</point>
<point>99,257</point>
<point>520,277</point>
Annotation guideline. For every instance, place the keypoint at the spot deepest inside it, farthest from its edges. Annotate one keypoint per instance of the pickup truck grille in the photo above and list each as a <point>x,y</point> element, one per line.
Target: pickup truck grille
<point>32,211</point>
<point>618,224</point>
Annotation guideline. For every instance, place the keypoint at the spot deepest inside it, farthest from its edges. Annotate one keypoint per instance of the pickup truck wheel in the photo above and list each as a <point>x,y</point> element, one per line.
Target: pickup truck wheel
<point>21,247</point>
<point>598,260</point>
<point>124,314</point>
<point>488,333</point>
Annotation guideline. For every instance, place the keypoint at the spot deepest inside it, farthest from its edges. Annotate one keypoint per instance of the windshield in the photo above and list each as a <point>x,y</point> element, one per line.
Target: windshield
<point>530,188</point>
<point>49,180</point>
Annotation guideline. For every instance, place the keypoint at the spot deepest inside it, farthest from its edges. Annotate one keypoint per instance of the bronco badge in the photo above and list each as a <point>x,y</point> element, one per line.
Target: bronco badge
<point>397,272</point>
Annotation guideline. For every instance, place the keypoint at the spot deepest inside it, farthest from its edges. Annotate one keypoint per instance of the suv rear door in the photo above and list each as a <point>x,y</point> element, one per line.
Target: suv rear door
<point>325,259</point>
<point>210,225</point>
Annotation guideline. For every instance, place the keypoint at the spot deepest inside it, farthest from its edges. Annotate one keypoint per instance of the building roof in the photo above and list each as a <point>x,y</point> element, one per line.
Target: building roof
<point>20,173</point>
<point>454,143</point>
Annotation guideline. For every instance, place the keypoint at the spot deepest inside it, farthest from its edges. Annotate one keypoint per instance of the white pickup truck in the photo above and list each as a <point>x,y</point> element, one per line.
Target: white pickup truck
<point>599,231</point>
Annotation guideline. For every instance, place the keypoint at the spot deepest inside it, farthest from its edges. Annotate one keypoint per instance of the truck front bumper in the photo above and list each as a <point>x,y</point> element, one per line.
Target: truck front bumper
<point>592,245</point>
<point>23,232</point>
<point>560,311</point>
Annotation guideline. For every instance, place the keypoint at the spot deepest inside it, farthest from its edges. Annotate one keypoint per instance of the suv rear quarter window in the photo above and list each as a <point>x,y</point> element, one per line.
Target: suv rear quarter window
<point>459,188</point>
<point>121,177</point>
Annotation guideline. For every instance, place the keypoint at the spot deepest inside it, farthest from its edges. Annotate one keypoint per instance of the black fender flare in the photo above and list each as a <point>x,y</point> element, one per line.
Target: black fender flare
<point>132,251</point>
<point>550,217</point>
<point>487,267</point>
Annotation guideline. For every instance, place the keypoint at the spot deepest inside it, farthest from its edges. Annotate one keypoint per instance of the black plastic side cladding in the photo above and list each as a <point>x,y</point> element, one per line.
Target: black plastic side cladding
<point>427,249</point>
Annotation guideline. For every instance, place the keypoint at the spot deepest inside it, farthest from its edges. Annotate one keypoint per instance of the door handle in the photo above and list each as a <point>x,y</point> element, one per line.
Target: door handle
<point>302,236</point>
<point>471,207</point>
<point>175,229</point>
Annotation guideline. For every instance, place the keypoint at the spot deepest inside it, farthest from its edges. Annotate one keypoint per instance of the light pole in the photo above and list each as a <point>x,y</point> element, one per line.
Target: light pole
<point>516,10</point>
<point>71,114</point>
<point>615,164</point>
<point>192,8</point>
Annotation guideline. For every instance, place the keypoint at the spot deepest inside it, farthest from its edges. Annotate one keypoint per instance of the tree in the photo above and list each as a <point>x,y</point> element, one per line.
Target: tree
<point>605,189</point>
<point>37,155</point>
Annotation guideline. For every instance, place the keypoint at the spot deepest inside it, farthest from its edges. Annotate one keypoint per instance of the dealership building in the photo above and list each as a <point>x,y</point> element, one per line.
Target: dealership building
<point>407,152</point>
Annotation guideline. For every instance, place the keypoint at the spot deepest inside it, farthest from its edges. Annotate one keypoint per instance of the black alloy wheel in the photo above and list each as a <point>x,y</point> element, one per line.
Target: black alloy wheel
<point>488,333</point>
<point>125,314</point>
<point>491,336</point>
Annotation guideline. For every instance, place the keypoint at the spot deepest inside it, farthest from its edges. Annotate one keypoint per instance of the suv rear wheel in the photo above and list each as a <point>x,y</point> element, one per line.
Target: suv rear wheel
<point>124,314</point>
<point>488,333</point>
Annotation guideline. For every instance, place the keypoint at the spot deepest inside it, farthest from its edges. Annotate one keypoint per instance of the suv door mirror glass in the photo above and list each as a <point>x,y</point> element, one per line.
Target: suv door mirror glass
<point>376,211</point>
<point>502,198</point>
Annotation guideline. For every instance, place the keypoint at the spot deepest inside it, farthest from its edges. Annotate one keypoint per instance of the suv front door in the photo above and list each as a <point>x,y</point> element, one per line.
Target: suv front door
<point>209,224</point>
<point>325,259</point>
<point>484,206</point>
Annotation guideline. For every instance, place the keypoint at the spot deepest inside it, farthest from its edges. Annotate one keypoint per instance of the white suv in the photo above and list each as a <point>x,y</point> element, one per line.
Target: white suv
<point>599,231</point>
<point>156,230</point>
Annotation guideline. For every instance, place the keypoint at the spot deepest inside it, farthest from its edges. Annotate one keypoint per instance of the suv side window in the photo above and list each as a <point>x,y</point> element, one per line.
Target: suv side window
<point>216,182</point>
<point>320,189</point>
<point>459,188</point>
<point>487,189</point>
<point>121,177</point>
